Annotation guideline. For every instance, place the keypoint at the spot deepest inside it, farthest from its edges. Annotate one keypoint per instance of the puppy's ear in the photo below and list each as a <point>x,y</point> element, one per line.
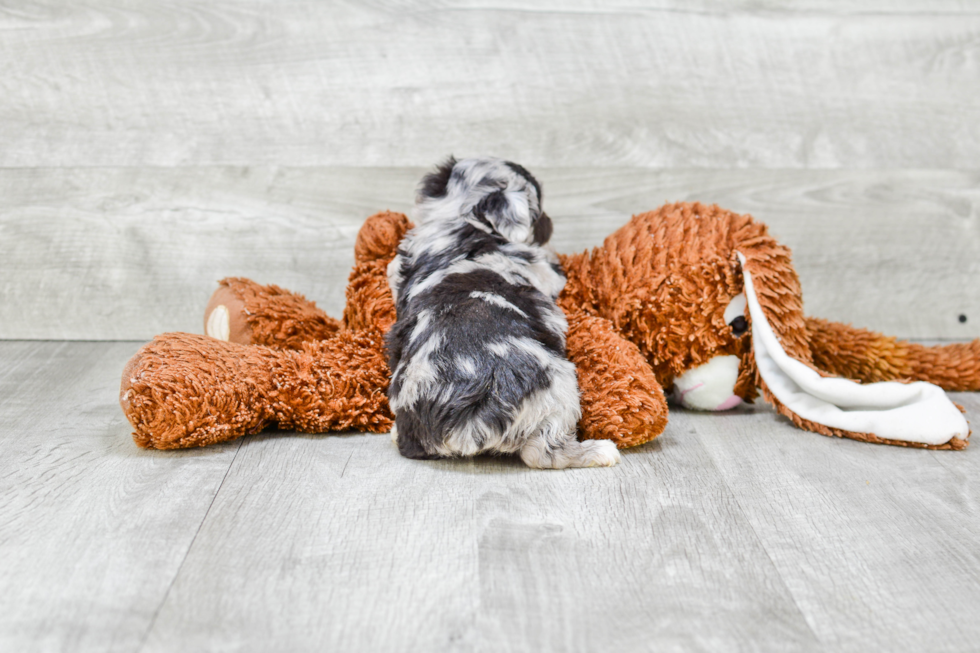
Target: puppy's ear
<point>434,184</point>
<point>542,229</point>
<point>507,213</point>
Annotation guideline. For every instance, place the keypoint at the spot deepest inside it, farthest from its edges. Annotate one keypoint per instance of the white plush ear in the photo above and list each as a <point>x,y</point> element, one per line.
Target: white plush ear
<point>910,412</point>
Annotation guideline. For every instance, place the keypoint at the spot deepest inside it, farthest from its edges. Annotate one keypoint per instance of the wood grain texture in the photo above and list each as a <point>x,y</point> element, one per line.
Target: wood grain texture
<point>126,253</point>
<point>669,83</point>
<point>338,543</point>
<point>92,529</point>
<point>731,532</point>
<point>863,536</point>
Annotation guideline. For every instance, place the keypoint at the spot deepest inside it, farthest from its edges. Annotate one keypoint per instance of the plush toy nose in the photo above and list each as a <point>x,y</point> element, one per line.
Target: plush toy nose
<point>710,386</point>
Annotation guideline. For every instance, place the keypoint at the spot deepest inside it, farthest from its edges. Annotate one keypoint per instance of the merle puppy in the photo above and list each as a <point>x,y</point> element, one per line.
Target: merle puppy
<point>478,348</point>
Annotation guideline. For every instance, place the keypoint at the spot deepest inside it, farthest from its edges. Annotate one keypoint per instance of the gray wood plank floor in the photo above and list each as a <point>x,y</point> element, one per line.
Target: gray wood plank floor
<point>731,532</point>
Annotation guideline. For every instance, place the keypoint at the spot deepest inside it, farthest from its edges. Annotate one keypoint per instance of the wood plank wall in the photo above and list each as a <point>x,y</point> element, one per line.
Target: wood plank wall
<point>148,149</point>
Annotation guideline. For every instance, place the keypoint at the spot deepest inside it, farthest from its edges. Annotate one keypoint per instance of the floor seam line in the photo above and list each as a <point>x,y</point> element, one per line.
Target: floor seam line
<point>758,538</point>
<point>180,567</point>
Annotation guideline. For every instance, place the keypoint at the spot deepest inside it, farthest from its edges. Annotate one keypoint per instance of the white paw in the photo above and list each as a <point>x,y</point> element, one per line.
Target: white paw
<point>394,434</point>
<point>219,323</point>
<point>601,453</point>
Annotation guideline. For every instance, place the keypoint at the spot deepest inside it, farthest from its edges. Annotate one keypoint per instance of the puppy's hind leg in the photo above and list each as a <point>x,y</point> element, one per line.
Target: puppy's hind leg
<point>406,434</point>
<point>551,448</point>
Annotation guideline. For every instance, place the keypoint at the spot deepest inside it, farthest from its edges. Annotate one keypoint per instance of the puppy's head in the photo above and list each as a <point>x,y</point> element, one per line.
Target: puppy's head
<point>493,195</point>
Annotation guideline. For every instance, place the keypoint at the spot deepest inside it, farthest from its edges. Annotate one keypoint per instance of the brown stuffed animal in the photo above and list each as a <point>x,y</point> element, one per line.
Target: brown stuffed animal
<point>690,298</point>
<point>288,363</point>
<point>713,303</point>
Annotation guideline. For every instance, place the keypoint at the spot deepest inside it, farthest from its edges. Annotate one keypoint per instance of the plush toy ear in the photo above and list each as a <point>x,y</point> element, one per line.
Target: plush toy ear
<point>910,414</point>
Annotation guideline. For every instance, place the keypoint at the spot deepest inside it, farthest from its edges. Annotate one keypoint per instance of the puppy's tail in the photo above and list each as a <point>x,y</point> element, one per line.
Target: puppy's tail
<point>870,357</point>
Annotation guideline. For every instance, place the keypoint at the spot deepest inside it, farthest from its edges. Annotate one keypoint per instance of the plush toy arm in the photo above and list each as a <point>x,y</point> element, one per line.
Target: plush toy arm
<point>867,356</point>
<point>369,301</point>
<point>621,398</point>
<point>183,390</point>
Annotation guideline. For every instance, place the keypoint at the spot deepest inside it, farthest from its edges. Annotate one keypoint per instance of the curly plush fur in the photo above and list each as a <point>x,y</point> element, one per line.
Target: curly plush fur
<point>645,308</point>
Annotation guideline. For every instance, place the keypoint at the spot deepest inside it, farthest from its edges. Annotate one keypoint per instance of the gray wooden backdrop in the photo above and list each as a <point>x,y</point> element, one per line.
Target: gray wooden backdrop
<point>149,148</point>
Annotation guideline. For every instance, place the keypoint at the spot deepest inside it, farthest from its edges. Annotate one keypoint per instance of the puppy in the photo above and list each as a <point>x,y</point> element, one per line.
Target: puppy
<point>478,347</point>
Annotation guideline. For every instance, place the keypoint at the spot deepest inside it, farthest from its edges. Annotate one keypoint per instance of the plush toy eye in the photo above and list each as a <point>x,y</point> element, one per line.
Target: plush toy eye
<point>739,326</point>
<point>735,315</point>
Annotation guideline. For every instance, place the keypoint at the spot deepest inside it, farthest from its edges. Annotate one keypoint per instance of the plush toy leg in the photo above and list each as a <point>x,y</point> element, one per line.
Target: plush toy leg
<point>621,398</point>
<point>870,357</point>
<point>244,312</point>
<point>183,390</point>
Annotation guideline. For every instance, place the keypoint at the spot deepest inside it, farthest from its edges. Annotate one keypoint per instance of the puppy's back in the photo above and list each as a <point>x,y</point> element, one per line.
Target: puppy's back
<point>469,353</point>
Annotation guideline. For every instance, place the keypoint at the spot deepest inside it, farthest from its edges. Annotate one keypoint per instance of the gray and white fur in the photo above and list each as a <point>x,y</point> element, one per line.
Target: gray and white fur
<point>478,348</point>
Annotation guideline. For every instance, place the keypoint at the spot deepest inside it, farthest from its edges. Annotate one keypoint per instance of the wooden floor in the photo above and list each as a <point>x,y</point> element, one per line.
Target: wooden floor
<point>730,532</point>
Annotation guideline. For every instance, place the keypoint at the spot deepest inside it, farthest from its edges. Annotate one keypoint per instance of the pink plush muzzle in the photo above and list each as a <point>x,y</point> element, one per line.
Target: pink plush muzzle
<point>710,386</point>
